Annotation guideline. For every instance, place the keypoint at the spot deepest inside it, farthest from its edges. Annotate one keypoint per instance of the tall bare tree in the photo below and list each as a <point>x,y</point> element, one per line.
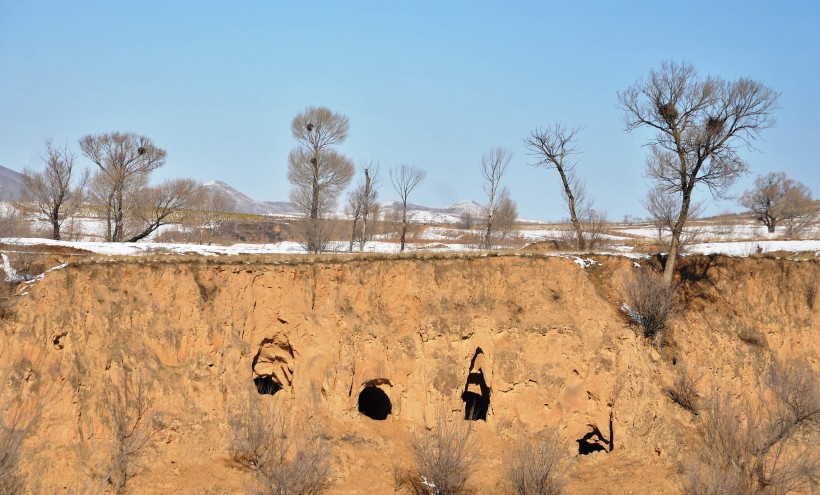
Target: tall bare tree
<point>699,124</point>
<point>493,167</point>
<point>362,204</point>
<point>405,179</point>
<point>125,161</point>
<point>317,171</point>
<point>52,192</point>
<point>776,198</point>
<point>552,147</point>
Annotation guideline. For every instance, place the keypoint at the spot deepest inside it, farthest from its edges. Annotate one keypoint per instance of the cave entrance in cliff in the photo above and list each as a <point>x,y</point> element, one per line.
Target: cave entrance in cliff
<point>374,403</point>
<point>595,441</point>
<point>476,395</point>
<point>266,385</point>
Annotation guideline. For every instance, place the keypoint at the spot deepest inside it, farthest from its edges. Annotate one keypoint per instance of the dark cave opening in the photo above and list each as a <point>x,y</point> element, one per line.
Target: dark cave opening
<point>266,385</point>
<point>374,403</point>
<point>476,395</point>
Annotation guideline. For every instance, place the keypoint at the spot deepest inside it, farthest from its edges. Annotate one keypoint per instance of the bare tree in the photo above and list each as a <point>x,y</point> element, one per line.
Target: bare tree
<point>699,125</point>
<point>493,167</point>
<point>776,198</point>
<point>362,204</point>
<point>125,161</point>
<point>317,171</point>
<point>51,192</point>
<point>157,205</point>
<point>506,217</point>
<point>595,224</point>
<point>405,179</point>
<point>553,147</point>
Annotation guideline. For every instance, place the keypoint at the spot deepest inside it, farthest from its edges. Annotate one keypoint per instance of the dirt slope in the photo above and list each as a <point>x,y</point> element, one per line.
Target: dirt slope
<point>548,336</point>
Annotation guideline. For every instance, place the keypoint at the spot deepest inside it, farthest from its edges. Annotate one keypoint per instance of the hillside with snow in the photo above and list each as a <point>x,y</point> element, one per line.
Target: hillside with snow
<point>241,203</point>
<point>11,184</point>
<point>429,215</point>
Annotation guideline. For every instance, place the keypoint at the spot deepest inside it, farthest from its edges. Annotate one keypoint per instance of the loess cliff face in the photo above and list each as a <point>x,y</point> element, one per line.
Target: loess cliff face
<point>528,342</point>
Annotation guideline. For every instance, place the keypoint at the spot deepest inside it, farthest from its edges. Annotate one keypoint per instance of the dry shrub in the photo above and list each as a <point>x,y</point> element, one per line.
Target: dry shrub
<point>684,389</point>
<point>133,424</point>
<point>444,456</point>
<point>595,225</point>
<point>16,422</point>
<point>538,466</point>
<point>763,445</point>
<point>650,300</point>
<point>19,414</point>
<point>288,458</point>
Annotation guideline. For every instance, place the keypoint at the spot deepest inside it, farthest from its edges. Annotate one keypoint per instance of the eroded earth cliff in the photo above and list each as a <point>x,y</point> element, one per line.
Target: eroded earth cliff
<point>526,342</point>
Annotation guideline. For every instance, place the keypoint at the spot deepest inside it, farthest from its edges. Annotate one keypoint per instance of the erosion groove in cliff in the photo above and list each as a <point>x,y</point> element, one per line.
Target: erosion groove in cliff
<point>373,349</point>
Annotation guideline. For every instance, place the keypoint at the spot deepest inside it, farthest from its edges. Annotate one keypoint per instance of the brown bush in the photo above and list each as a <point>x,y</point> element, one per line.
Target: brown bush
<point>538,466</point>
<point>651,302</point>
<point>287,458</point>
<point>444,456</point>
<point>133,425</point>
<point>18,417</point>
<point>684,389</point>
<point>762,445</point>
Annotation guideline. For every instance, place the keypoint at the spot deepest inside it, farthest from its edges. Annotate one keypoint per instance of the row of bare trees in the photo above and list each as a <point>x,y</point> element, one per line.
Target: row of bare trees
<point>131,206</point>
<point>318,174</point>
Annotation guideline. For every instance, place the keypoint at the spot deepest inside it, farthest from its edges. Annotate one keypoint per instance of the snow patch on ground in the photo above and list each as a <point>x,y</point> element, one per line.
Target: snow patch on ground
<point>583,263</point>
<point>747,248</point>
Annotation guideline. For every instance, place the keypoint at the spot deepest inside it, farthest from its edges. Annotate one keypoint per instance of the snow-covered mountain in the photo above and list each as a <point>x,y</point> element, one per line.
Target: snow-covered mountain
<point>428,215</point>
<point>241,203</point>
<point>11,184</point>
<point>417,213</point>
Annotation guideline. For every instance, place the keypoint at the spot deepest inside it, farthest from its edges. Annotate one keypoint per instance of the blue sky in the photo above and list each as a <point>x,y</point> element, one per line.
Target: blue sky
<point>429,83</point>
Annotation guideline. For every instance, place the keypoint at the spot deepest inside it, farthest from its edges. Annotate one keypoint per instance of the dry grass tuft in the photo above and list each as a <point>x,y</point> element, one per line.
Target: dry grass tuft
<point>444,456</point>
<point>286,457</point>
<point>538,466</point>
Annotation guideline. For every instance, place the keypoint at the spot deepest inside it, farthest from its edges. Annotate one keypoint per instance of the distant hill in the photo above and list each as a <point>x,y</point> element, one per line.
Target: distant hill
<point>417,213</point>
<point>244,204</point>
<point>426,214</point>
<point>11,184</point>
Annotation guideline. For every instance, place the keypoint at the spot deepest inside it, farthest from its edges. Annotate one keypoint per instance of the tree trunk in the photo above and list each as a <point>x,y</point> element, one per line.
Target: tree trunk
<point>674,244</point>
<point>363,239</point>
<point>671,260</point>
<point>579,233</point>
<point>54,217</point>
<point>353,234</point>
<point>770,226</point>
<point>118,217</point>
<point>403,228</point>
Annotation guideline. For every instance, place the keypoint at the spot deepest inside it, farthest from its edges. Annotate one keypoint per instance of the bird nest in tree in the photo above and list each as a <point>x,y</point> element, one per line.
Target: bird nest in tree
<point>668,111</point>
